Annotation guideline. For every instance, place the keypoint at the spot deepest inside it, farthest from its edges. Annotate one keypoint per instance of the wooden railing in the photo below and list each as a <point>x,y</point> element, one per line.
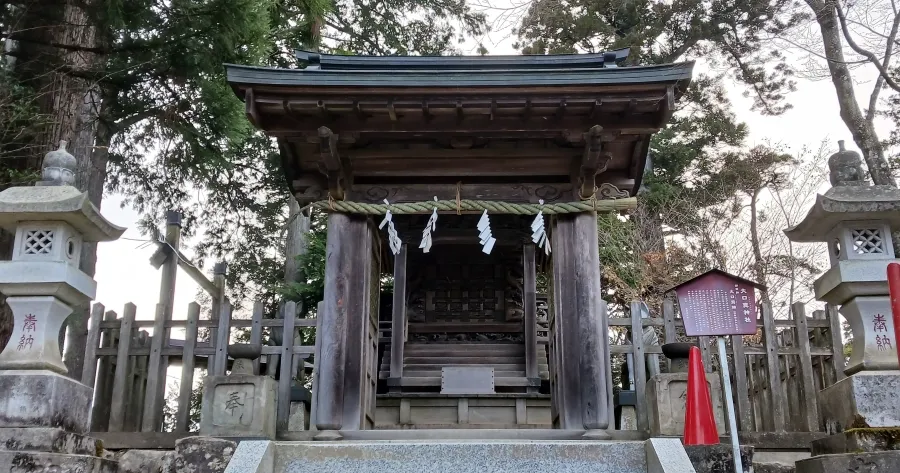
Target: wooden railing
<point>128,367</point>
<point>776,374</point>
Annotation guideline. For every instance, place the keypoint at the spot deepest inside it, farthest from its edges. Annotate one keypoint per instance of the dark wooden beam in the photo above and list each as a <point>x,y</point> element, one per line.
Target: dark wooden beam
<point>251,109</point>
<point>593,162</point>
<point>561,110</point>
<point>523,192</point>
<point>335,168</point>
<point>444,124</point>
<point>582,369</point>
<point>529,305</point>
<point>348,256</point>
<point>398,322</point>
<point>355,155</point>
<point>667,107</point>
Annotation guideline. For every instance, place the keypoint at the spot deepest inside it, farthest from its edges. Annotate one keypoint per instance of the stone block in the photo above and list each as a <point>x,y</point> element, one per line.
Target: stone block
<point>44,399</point>
<point>667,456</point>
<point>203,454</point>
<point>773,468</point>
<point>858,440</point>
<point>46,439</point>
<point>718,458</point>
<point>873,462</point>
<point>873,346</point>
<point>864,400</point>
<point>15,462</point>
<point>255,456</point>
<point>299,417</point>
<point>241,405</point>
<point>146,461</point>
<point>457,456</point>
<point>666,398</point>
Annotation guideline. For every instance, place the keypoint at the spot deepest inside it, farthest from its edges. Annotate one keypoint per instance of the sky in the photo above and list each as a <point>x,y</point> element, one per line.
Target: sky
<point>124,273</point>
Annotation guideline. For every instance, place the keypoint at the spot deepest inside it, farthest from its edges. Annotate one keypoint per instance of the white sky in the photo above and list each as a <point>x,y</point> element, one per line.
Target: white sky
<point>125,275</point>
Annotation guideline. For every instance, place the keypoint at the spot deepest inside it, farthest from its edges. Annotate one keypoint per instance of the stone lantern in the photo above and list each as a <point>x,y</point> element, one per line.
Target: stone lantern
<point>42,282</point>
<point>857,221</point>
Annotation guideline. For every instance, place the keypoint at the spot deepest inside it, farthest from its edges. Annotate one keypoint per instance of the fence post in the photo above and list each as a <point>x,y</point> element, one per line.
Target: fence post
<point>256,332</point>
<point>187,369</point>
<point>740,382</point>
<point>639,365</point>
<point>152,419</point>
<point>773,366</point>
<point>807,383</point>
<point>837,348</point>
<point>223,335</point>
<point>285,377</point>
<point>100,412</point>
<point>89,370</point>
<point>117,405</point>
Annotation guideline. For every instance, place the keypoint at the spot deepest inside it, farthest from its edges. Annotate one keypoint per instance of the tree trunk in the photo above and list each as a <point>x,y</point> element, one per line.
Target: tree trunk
<point>90,177</point>
<point>759,267</point>
<point>862,130</point>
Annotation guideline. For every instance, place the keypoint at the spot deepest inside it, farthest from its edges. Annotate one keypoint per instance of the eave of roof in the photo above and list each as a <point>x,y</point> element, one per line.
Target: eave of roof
<point>267,76</point>
<point>553,61</point>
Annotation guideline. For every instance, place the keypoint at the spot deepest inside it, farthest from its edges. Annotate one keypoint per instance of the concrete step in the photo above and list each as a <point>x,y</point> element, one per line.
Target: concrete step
<point>457,456</point>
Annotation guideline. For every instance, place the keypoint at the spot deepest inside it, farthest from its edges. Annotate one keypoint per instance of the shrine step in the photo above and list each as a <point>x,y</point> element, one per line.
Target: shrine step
<point>459,456</point>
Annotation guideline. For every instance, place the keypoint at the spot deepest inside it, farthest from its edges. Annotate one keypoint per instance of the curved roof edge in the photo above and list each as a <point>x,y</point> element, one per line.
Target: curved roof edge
<point>554,61</point>
<point>661,74</point>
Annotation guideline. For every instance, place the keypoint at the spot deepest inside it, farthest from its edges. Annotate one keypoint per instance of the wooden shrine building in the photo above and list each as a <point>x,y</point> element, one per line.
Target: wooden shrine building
<point>466,338</point>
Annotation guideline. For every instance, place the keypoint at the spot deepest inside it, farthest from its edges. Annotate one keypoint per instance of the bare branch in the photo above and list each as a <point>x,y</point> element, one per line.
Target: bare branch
<point>882,69</point>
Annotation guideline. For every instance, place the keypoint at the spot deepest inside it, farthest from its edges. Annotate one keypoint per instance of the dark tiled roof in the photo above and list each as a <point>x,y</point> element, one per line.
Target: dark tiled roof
<point>424,77</point>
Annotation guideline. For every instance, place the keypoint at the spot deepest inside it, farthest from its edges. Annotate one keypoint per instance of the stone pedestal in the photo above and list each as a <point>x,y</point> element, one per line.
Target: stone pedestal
<point>873,346</point>
<point>865,462</point>
<point>238,405</point>
<point>203,454</point>
<point>44,399</point>
<point>718,458</point>
<point>868,399</point>
<point>666,401</point>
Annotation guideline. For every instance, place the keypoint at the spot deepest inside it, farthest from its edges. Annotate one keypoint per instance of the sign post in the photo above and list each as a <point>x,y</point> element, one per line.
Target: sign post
<point>719,304</point>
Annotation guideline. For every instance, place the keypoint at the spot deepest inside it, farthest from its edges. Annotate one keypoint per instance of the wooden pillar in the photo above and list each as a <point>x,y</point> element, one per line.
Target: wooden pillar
<point>530,305</point>
<point>398,323</point>
<point>583,370</point>
<point>341,369</point>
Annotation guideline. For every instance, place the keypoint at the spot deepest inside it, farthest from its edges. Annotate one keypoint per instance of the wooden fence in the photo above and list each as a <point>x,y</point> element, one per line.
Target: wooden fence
<point>128,367</point>
<point>776,374</point>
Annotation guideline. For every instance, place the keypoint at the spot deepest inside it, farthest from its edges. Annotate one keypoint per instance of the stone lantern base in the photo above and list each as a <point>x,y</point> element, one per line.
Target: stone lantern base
<point>863,416</point>
<point>44,417</point>
<point>867,399</point>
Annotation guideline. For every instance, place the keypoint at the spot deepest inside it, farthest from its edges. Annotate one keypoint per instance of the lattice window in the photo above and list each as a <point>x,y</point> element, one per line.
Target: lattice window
<point>38,242</point>
<point>868,241</point>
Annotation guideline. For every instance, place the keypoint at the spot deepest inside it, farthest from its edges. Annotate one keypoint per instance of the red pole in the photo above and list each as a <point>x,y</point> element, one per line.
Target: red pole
<point>893,273</point>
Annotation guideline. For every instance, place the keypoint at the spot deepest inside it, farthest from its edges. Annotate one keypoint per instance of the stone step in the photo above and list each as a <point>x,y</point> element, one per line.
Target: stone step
<point>458,456</point>
<point>54,462</point>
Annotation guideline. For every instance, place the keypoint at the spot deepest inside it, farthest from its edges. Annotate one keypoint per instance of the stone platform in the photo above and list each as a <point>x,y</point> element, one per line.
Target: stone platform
<point>873,462</point>
<point>462,456</point>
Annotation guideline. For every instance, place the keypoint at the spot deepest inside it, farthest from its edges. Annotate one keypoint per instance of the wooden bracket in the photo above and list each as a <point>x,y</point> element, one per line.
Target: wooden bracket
<point>332,165</point>
<point>594,161</point>
<point>250,108</point>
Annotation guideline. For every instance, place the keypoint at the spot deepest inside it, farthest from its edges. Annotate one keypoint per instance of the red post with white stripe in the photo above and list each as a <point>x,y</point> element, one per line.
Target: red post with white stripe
<point>893,274</point>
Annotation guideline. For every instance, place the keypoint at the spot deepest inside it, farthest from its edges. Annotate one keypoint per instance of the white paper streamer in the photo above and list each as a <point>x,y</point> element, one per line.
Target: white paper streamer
<point>484,233</point>
<point>539,233</point>
<point>431,226</point>
<point>393,239</point>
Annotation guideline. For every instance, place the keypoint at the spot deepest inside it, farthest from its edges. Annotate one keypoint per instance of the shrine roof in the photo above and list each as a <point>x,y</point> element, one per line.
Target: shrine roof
<point>334,61</point>
<point>470,75</point>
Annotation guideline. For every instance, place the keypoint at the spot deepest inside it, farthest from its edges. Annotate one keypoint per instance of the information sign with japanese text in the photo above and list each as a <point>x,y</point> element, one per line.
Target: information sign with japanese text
<point>717,303</point>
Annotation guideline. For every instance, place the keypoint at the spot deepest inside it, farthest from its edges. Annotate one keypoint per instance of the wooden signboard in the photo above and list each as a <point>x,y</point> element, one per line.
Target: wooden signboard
<point>717,303</point>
